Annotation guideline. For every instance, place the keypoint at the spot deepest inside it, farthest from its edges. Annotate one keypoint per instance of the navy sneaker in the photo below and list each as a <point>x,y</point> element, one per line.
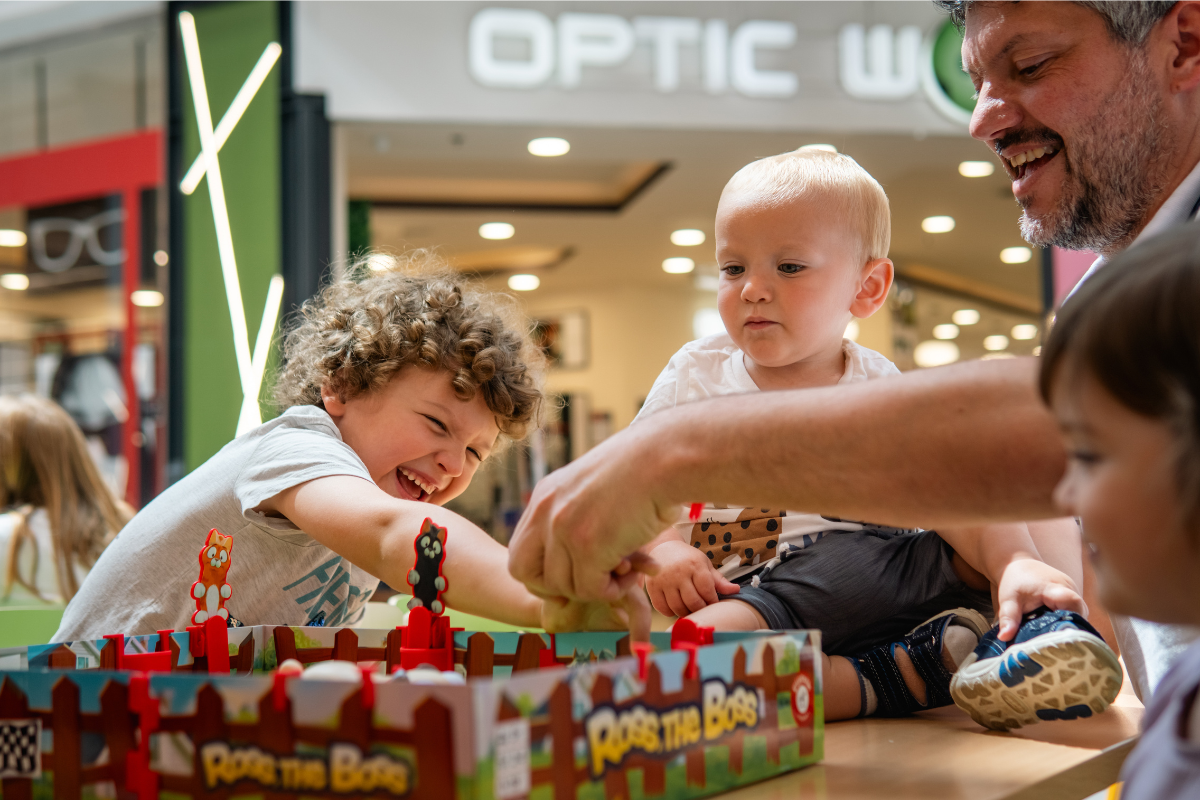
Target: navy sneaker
<point>1056,667</point>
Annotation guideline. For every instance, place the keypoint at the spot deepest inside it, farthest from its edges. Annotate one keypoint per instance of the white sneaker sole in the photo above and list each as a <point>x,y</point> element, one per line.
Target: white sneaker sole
<point>1061,675</point>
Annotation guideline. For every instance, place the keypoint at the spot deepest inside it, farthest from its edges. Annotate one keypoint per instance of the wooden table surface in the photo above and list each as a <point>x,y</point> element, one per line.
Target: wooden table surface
<point>944,755</point>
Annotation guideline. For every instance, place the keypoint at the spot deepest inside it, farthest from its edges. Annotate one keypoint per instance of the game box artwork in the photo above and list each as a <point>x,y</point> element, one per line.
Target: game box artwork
<point>420,711</point>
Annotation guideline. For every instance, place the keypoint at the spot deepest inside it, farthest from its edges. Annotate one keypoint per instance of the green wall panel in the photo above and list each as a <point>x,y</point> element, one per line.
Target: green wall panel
<point>232,37</point>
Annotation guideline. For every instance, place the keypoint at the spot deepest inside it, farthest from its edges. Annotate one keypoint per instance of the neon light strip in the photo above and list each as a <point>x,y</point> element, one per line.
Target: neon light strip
<point>250,416</point>
<point>250,368</point>
<point>234,113</point>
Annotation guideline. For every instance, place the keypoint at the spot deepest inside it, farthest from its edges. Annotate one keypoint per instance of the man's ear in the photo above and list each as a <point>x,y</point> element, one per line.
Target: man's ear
<point>1181,27</point>
<point>875,282</point>
<point>335,406</point>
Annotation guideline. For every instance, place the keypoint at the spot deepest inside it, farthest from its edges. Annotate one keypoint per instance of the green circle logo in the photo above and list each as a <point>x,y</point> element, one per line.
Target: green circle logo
<point>946,85</point>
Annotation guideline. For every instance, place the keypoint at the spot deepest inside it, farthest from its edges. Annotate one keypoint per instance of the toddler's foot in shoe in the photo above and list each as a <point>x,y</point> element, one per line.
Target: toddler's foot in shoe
<point>1056,667</point>
<point>914,674</point>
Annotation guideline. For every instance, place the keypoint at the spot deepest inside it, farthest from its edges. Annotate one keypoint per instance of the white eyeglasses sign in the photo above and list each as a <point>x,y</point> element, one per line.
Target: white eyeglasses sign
<point>250,367</point>
<point>83,233</point>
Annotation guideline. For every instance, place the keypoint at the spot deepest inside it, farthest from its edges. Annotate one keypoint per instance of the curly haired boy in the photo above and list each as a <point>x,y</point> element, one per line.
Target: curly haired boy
<point>397,385</point>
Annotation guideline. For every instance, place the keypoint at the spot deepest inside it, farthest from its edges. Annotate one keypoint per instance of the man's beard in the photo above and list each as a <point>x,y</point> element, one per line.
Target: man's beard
<point>1115,170</point>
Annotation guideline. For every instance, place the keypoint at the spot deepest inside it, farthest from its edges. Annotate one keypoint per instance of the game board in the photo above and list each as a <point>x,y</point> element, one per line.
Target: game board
<point>430,712</point>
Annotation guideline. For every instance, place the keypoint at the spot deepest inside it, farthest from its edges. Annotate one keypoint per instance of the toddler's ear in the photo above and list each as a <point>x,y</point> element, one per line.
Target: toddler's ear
<point>335,406</point>
<point>875,281</point>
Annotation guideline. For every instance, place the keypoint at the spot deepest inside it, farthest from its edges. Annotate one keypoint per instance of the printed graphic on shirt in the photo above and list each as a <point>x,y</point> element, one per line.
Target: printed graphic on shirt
<point>749,540</point>
<point>329,593</point>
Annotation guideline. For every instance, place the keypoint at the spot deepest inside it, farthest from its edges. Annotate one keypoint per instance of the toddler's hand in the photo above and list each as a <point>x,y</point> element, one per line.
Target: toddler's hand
<point>631,612</point>
<point>1028,584</point>
<point>686,581</point>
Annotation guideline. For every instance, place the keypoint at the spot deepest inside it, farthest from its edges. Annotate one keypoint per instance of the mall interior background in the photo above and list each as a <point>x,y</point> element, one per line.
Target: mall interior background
<point>383,127</point>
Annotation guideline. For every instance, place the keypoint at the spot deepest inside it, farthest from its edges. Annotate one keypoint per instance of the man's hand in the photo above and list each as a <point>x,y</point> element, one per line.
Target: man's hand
<point>580,536</point>
<point>686,581</point>
<point>1028,584</point>
<point>631,612</point>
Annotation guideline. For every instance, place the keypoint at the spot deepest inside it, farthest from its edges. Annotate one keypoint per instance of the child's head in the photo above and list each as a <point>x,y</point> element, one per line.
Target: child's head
<point>802,244</point>
<point>420,370</point>
<point>1121,371</point>
<point>44,463</point>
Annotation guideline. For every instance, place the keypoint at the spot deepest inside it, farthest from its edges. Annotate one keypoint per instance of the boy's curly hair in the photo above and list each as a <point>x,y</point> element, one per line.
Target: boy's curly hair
<point>389,313</point>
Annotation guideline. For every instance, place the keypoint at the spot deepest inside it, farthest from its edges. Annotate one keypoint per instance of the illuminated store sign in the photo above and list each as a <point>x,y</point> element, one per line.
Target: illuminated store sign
<point>525,49</point>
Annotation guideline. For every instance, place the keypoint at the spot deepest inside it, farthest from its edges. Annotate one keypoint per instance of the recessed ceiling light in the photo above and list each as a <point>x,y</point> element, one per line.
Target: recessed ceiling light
<point>161,258</point>
<point>976,169</point>
<point>549,146</point>
<point>378,262</point>
<point>947,330</point>
<point>678,265</point>
<point>1015,255</point>
<point>934,353</point>
<point>965,316</point>
<point>496,230</point>
<point>937,224</point>
<point>997,341</point>
<point>12,238</point>
<point>1025,331</point>
<point>524,283</point>
<point>147,298</point>
<point>16,281</point>
<point>687,237</point>
<point>828,148</point>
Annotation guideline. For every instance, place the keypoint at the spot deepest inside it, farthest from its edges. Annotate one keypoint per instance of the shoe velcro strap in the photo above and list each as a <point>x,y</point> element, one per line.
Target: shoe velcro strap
<point>924,647</point>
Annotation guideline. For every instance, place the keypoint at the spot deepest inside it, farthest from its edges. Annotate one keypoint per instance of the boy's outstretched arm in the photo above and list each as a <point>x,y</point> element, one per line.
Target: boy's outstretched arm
<point>359,521</point>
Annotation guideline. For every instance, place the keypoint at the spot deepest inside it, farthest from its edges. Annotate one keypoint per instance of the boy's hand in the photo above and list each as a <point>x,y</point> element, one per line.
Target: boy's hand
<point>1028,584</point>
<point>631,612</point>
<point>686,581</point>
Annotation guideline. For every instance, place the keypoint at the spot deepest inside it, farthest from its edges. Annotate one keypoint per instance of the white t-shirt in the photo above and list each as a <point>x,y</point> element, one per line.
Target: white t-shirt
<point>279,574</point>
<point>739,541</point>
<point>45,578</point>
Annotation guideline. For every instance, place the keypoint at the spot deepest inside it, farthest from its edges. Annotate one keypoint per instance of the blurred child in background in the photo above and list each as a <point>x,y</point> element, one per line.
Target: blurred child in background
<point>60,514</point>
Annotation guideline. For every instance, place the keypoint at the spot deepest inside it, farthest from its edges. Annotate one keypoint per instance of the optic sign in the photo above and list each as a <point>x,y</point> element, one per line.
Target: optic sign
<point>876,64</point>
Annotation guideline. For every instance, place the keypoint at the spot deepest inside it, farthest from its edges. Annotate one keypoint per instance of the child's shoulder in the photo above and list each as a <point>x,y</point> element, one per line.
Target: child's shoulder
<point>863,363</point>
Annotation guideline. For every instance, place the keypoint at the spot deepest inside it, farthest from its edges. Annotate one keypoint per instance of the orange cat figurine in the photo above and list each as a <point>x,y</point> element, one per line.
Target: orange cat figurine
<point>211,591</point>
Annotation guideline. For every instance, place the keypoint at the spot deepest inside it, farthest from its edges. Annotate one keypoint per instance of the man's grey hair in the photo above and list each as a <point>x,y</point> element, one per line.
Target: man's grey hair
<point>1128,22</point>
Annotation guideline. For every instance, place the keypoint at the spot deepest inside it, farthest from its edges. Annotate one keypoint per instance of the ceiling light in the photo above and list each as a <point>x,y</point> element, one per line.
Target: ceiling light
<point>549,146</point>
<point>965,316</point>
<point>161,258</point>
<point>828,148</point>
<point>524,283</point>
<point>706,322</point>
<point>11,238</point>
<point>1037,351</point>
<point>976,169</point>
<point>378,262</point>
<point>1015,255</point>
<point>1024,332</point>
<point>687,237</point>
<point>994,356</point>
<point>496,230</point>
<point>937,224</point>
<point>147,298</point>
<point>947,330</point>
<point>16,281</point>
<point>932,353</point>
<point>852,331</point>
<point>997,341</point>
<point>678,265</point>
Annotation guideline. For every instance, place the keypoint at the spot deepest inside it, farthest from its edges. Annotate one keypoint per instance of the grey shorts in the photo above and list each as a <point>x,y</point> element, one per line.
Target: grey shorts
<point>862,588</point>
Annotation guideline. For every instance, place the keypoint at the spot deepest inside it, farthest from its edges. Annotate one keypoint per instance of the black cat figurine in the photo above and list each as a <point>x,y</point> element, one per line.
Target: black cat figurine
<point>426,577</point>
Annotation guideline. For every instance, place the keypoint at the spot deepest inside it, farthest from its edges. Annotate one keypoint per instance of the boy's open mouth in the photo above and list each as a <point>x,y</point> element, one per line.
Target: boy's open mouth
<point>412,485</point>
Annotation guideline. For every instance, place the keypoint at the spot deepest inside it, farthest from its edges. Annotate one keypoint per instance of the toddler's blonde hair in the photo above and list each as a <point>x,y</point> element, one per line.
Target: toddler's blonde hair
<point>819,174</point>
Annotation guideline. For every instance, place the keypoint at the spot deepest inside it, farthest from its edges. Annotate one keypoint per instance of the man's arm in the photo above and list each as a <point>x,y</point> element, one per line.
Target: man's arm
<point>964,444</point>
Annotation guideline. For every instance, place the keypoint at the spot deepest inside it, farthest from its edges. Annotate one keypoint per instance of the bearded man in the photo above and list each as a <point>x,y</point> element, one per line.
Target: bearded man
<point>1094,110</point>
